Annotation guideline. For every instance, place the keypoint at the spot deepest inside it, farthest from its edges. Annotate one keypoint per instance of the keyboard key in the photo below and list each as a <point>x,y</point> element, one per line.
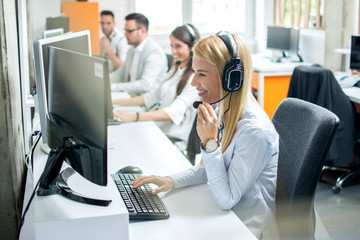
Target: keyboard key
<point>141,203</point>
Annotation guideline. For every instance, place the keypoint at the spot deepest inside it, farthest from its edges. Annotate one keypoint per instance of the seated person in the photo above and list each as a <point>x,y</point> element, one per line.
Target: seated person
<point>113,45</point>
<point>145,65</point>
<point>170,104</point>
<point>240,146</point>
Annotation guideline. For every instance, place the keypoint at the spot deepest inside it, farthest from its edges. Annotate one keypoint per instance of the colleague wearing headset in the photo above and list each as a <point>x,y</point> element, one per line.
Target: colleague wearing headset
<point>170,104</point>
<point>240,146</point>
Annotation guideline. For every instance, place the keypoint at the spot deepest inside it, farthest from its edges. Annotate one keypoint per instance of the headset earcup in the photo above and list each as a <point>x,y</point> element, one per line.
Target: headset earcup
<point>233,77</point>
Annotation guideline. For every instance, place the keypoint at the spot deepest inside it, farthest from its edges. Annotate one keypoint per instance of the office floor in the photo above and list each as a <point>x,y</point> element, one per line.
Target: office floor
<point>337,215</point>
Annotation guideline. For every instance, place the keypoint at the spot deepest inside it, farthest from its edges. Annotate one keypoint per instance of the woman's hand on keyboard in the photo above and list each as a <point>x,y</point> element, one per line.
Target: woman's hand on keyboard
<point>164,183</point>
<point>124,116</point>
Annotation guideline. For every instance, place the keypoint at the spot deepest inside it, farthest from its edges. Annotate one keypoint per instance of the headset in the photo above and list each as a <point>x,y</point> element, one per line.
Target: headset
<point>233,75</point>
<point>191,32</point>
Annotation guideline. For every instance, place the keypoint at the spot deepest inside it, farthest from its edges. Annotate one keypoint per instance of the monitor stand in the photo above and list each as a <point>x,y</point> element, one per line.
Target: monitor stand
<point>52,182</point>
<point>300,58</point>
<point>66,191</point>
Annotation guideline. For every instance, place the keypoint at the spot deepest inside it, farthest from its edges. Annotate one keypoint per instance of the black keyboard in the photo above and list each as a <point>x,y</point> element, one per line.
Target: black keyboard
<point>141,203</point>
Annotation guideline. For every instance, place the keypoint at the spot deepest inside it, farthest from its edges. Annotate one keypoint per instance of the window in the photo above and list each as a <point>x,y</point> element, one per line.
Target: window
<point>300,13</point>
<point>208,16</point>
<point>215,15</point>
<point>163,15</point>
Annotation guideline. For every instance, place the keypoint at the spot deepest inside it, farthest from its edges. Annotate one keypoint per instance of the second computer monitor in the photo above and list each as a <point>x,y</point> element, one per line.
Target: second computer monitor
<point>355,53</point>
<point>285,39</point>
<point>78,42</point>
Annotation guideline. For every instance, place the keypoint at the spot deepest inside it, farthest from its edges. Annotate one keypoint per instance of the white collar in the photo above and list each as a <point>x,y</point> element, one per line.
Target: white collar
<point>113,34</point>
<point>140,47</point>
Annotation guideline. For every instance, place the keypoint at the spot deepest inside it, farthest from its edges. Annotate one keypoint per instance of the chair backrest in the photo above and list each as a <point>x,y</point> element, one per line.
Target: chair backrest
<point>305,133</point>
<point>170,60</point>
<point>194,143</point>
<point>318,85</point>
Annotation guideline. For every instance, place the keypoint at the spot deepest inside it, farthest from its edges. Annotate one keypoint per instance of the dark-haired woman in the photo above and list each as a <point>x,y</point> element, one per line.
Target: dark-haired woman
<point>170,105</point>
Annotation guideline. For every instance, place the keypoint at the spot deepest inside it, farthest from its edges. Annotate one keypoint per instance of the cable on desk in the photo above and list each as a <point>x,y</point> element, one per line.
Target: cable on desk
<point>29,157</point>
<point>37,184</point>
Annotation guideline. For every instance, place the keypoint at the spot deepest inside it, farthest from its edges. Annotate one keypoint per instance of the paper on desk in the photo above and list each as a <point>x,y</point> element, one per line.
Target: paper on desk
<point>347,81</point>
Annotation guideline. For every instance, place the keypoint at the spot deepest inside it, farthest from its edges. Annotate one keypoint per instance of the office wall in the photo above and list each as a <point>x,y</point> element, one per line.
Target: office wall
<point>12,168</point>
<point>120,8</point>
<point>339,22</point>
<point>40,10</point>
<point>333,33</point>
<point>339,26</point>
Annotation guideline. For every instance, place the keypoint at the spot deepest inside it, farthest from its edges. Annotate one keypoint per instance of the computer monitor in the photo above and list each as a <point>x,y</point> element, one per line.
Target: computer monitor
<point>355,53</point>
<point>284,39</point>
<point>52,32</point>
<point>77,114</point>
<point>78,42</point>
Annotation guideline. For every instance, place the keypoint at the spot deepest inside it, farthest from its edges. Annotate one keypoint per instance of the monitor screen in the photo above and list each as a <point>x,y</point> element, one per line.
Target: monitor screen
<point>283,39</point>
<point>355,53</point>
<point>78,42</point>
<point>77,97</point>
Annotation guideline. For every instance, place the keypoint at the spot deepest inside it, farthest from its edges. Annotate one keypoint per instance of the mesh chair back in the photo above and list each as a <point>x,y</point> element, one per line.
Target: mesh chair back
<point>305,131</point>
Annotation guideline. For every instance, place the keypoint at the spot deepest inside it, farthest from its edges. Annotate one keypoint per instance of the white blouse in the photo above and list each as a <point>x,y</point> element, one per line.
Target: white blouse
<point>244,177</point>
<point>179,108</point>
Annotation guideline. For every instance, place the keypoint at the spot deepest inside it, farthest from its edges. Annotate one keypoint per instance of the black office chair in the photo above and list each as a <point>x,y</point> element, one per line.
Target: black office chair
<point>305,131</point>
<point>170,60</point>
<point>318,85</point>
<point>194,142</point>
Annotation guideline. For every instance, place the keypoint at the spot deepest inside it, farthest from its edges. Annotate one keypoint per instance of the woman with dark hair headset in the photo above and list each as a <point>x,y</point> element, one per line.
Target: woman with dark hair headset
<point>240,146</point>
<point>170,105</point>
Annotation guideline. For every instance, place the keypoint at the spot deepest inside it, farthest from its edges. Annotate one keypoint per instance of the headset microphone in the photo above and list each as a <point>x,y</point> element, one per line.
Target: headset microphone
<point>178,62</point>
<point>197,103</point>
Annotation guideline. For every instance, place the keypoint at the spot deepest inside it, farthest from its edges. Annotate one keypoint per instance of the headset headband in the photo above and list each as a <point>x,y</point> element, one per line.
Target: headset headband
<point>191,32</point>
<point>230,43</point>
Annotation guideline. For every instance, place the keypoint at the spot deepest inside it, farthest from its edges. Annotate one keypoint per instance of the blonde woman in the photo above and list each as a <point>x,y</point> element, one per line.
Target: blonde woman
<point>240,146</point>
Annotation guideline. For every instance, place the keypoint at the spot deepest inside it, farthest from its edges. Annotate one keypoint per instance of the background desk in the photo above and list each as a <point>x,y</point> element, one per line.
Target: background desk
<point>271,79</point>
<point>194,213</point>
<point>353,93</point>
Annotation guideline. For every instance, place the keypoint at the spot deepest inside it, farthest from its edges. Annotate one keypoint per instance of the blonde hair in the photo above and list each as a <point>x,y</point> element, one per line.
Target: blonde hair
<point>213,50</point>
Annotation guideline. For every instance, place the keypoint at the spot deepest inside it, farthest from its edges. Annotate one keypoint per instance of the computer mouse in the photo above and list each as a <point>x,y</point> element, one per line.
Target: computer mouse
<point>130,169</point>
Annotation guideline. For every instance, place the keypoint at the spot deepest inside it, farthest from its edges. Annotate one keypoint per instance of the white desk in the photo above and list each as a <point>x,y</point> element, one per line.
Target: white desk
<point>194,213</point>
<point>353,93</point>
